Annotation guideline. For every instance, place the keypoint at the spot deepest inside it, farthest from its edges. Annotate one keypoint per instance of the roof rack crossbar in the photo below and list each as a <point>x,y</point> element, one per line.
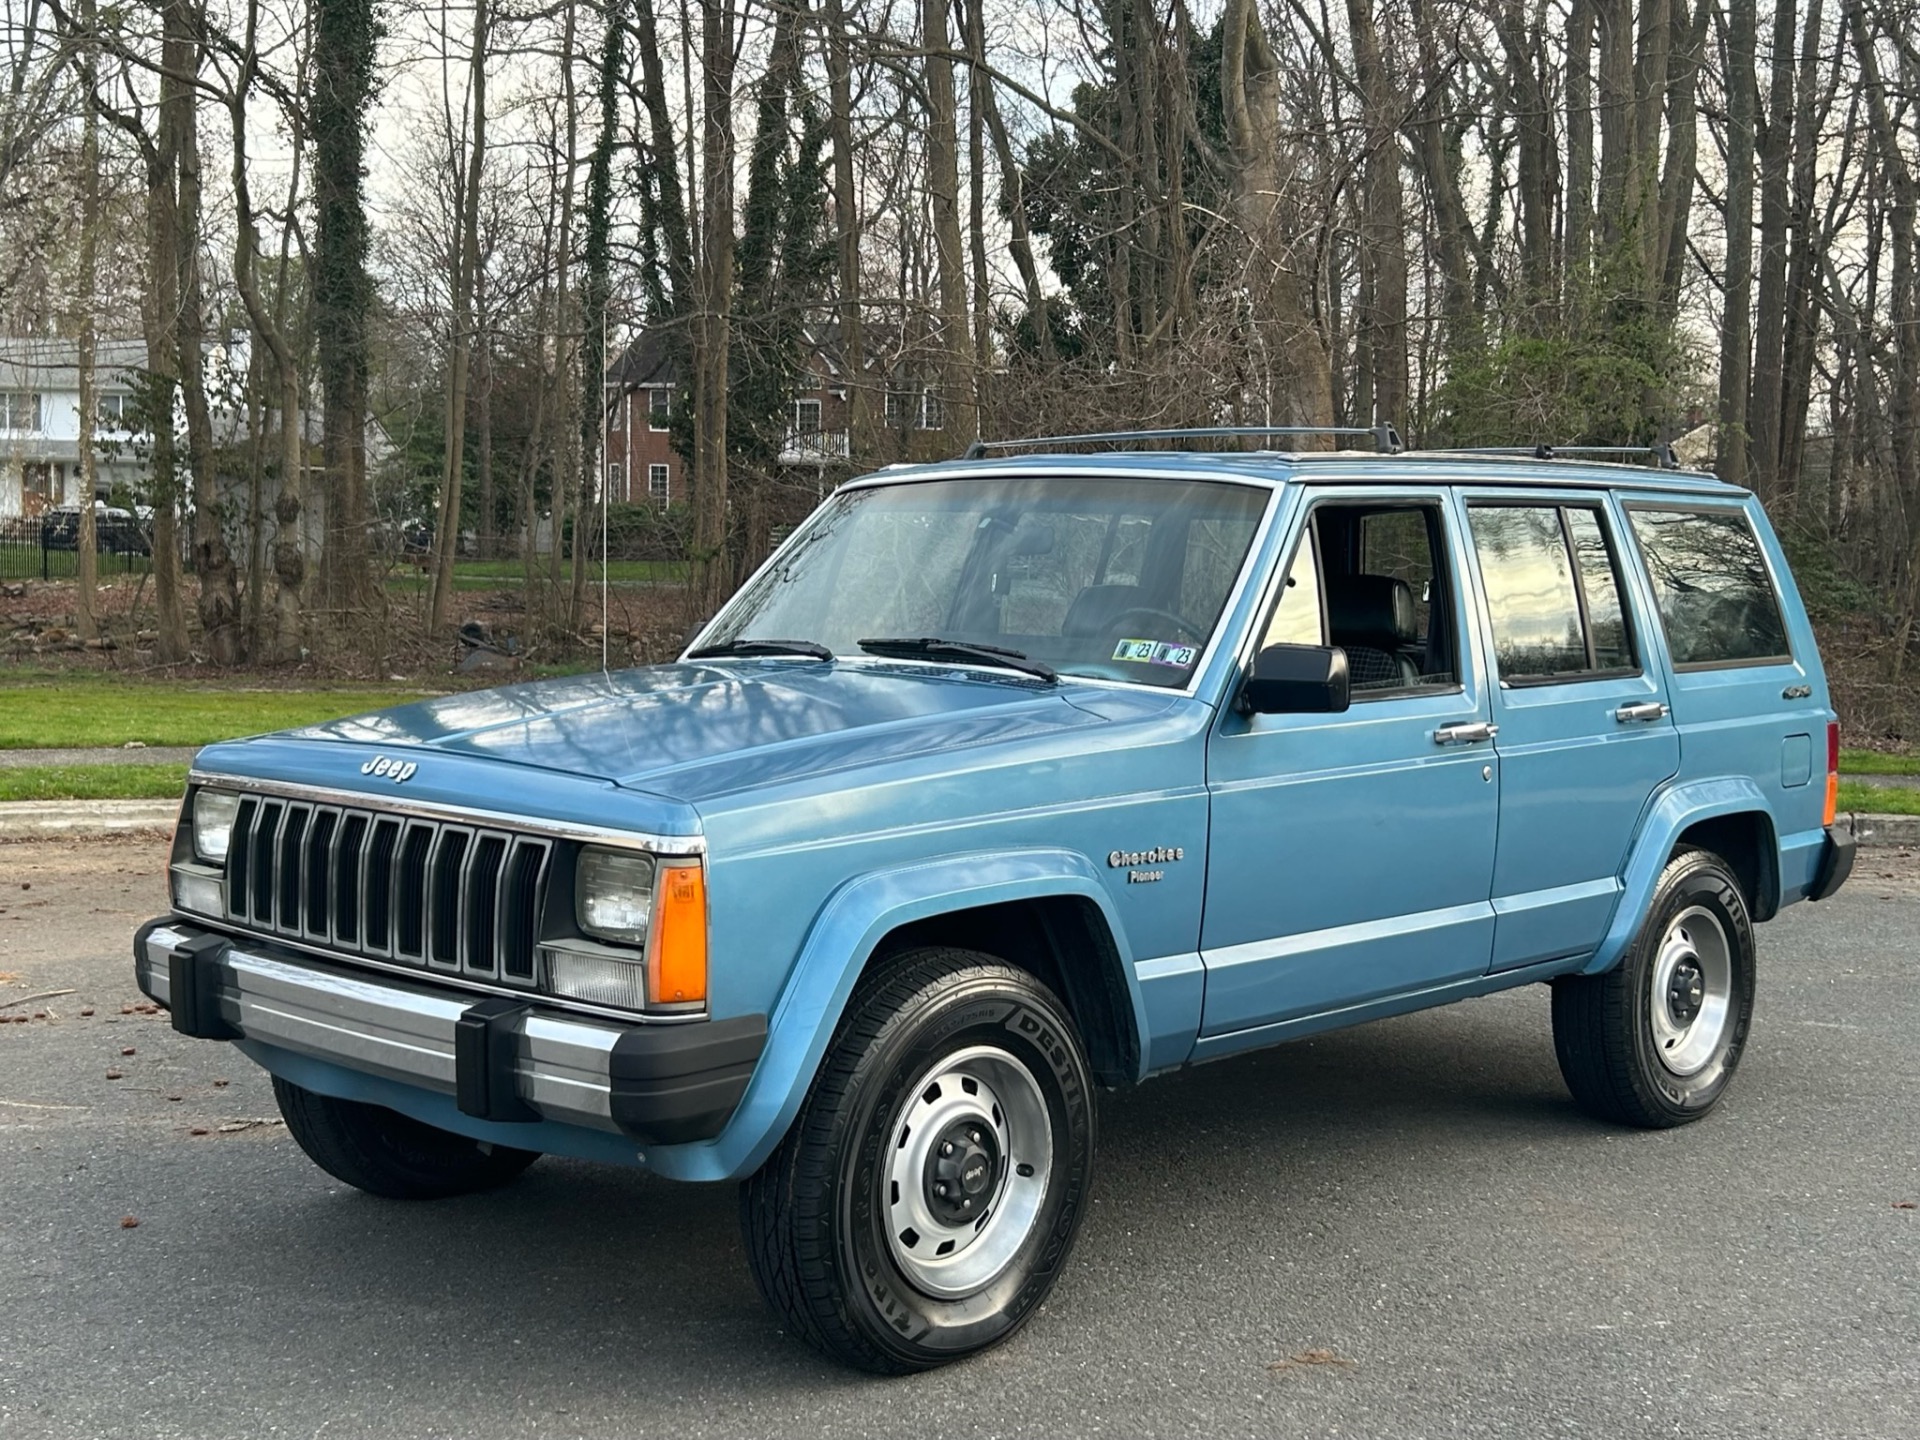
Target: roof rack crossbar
<point>1385,438</point>
<point>1660,452</point>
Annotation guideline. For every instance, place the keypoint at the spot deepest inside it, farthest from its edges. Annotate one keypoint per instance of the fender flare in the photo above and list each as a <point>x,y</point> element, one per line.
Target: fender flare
<point>1671,813</point>
<point>856,917</point>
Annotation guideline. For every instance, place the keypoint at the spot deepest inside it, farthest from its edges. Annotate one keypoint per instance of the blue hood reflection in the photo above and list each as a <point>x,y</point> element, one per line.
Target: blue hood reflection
<point>695,732</point>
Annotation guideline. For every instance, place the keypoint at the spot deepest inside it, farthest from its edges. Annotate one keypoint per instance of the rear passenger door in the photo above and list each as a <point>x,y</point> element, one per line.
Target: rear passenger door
<point>1585,732</point>
<point>1748,695</point>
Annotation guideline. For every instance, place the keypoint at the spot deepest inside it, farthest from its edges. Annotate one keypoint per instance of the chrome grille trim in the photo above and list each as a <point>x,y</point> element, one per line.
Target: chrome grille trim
<point>406,890</point>
<point>675,845</point>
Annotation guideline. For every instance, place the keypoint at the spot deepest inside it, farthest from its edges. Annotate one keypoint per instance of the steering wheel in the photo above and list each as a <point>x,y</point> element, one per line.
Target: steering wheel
<point>1120,621</point>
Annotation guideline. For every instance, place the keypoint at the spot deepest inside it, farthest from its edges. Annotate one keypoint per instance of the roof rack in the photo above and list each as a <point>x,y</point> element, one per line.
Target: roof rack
<point>1385,438</point>
<point>1659,452</point>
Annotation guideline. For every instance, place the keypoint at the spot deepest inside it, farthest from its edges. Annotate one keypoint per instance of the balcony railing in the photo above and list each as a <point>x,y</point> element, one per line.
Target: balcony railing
<point>813,447</point>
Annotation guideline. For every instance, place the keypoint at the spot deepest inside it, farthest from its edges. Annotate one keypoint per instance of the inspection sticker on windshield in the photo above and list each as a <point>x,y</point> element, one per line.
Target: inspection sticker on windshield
<point>1156,652</point>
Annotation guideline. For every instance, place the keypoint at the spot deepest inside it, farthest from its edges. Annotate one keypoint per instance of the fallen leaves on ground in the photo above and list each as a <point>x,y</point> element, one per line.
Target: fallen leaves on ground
<point>1906,1205</point>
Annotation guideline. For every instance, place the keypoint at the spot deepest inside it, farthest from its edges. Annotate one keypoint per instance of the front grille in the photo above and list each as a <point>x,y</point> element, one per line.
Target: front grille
<point>460,899</point>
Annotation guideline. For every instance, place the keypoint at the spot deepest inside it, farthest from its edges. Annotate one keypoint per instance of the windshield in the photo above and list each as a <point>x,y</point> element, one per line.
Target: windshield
<point>1122,579</point>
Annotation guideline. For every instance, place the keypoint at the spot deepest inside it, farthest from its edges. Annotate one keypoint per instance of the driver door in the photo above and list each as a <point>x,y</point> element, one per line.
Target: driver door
<point>1351,855</point>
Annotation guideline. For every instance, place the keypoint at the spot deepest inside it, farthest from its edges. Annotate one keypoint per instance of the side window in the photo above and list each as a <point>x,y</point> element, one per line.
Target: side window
<point>1296,617</point>
<point>1553,592</point>
<point>1378,575</point>
<point>1710,580</point>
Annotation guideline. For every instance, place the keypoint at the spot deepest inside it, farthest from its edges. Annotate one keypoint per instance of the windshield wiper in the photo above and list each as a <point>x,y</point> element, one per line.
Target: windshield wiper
<point>931,647</point>
<point>808,649</point>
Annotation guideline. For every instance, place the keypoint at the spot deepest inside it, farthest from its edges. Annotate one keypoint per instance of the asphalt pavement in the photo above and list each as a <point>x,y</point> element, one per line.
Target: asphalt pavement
<point>1401,1230</point>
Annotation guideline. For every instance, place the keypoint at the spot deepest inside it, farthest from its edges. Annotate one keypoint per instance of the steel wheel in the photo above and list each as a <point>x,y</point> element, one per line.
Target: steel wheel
<point>1655,1040</point>
<point>971,1156</point>
<point>1691,996</point>
<point>923,1203</point>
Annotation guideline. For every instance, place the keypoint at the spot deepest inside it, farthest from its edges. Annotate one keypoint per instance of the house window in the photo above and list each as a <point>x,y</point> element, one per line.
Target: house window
<point>19,410</point>
<point>914,410</point>
<point>806,417</point>
<point>113,411</point>
<point>659,407</point>
<point>657,481</point>
<point>616,480</point>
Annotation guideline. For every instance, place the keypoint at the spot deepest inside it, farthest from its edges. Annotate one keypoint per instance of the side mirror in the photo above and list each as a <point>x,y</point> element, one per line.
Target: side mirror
<point>1297,680</point>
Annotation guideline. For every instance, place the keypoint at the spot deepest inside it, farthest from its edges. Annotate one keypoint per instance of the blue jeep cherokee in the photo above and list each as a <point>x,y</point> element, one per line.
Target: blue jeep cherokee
<point>1010,778</point>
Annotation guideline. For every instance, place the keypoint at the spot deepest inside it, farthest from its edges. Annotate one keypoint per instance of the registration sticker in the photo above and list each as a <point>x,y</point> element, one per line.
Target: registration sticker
<point>1156,652</point>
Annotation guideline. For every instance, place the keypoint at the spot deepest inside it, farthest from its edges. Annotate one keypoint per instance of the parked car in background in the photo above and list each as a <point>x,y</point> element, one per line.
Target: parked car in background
<point>115,531</point>
<point>1010,778</point>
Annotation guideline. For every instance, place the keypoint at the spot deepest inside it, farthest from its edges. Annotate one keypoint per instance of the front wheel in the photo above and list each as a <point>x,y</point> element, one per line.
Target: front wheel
<point>925,1199</point>
<point>1654,1042</point>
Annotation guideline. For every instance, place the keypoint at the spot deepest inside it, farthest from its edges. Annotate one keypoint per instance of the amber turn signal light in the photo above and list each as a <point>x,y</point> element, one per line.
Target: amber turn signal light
<point>677,944</point>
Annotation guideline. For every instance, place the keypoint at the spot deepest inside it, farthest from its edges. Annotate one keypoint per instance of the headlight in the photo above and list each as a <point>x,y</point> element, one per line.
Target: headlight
<point>213,814</point>
<point>613,895</point>
<point>597,979</point>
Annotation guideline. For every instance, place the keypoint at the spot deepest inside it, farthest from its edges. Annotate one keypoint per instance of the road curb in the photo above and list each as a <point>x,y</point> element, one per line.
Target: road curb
<point>1887,829</point>
<point>78,819</point>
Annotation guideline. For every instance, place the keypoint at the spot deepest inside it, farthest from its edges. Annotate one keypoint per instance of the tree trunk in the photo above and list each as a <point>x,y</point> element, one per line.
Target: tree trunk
<point>86,541</point>
<point>960,414</point>
<point>343,56</point>
<point>1736,327</point>
<point>846,205</point>
<point>466,267</point>
<point>1579,221</point>
<point>219,606</point>
<point>1774,142</point>
<point>1382,323</point>
<point>283,632</point>
<point>713,298</point>
<point>1290,349</point>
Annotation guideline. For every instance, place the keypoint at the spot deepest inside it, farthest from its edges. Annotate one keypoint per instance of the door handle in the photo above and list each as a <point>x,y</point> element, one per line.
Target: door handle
<point>1467,732</point>
<point>1640,714</point>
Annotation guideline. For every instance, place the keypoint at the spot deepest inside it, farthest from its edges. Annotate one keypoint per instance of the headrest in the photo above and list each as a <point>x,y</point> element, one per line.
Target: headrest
<point>1374,610</point>
<point>1094,608</point>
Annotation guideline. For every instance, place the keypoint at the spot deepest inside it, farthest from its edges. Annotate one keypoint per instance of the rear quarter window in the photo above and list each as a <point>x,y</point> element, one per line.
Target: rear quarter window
<point>1711,582</point>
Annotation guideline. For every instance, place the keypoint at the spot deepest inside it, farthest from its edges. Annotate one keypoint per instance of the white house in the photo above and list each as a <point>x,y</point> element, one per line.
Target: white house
<point>40,421</point>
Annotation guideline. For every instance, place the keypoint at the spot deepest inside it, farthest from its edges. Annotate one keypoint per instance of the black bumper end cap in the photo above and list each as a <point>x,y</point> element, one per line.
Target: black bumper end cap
<point>671,1084</point>
<point>484,1046</point>
<point>1836,864</point>
<point>193,982</point>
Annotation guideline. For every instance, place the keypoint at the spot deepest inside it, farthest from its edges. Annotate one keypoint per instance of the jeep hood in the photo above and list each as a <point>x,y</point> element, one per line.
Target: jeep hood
<point>694,732</point>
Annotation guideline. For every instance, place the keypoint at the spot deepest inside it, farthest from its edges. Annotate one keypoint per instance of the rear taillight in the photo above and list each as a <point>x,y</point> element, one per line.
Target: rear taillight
<point>1833,772</point>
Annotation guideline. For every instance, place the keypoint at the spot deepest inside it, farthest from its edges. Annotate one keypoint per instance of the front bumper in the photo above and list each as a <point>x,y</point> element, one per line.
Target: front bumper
<point>501,1058</point>
<point>1836,860</point>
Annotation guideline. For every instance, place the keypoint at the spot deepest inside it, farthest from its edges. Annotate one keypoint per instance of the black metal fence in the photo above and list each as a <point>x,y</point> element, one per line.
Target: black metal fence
<point>46,547</point>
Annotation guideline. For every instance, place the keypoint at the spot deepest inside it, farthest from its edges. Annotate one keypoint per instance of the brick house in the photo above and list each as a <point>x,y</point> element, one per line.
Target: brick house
<point>644,385</point>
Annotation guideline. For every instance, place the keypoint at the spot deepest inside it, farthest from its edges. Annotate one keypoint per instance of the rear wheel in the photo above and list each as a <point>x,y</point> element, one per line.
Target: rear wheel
<point>1655,1041</point>
<point>925,1199</point>
<point>386,1153</point>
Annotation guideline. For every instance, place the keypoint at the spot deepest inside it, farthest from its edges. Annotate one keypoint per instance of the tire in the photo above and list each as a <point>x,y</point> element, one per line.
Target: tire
<point>845,1235</point>
<point>386,1153</point>
<point>1655,1041</point>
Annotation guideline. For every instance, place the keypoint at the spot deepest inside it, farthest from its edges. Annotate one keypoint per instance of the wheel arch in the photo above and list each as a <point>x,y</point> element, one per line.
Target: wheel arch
<point>994,897</point>
<point>1726,814</point>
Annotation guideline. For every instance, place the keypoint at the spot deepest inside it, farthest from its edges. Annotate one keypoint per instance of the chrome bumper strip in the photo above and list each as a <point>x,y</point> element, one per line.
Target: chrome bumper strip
<point>395,1030</point>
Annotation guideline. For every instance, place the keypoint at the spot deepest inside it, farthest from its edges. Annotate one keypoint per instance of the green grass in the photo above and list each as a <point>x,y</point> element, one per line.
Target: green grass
<point>93,782</point>
<point>510,574</point>
<point>1872,762</point>
<point>1878,799</point>
<point>94,711</point>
